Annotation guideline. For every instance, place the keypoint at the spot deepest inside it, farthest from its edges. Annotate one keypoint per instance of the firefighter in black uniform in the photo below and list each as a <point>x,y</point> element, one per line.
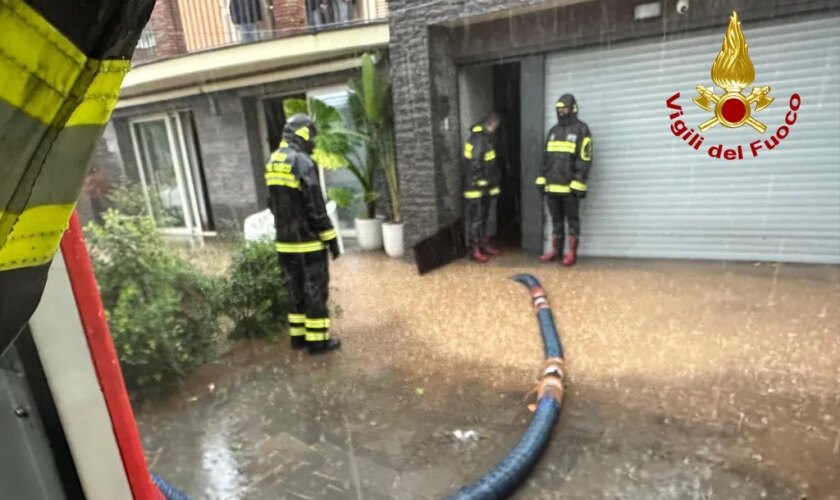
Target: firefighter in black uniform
<point>304,234</point>
<point>481,186</point>
<point>565,169</point>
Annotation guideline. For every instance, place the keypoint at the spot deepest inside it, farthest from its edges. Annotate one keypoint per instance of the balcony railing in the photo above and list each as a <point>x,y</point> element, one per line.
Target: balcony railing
<point>179,27</point>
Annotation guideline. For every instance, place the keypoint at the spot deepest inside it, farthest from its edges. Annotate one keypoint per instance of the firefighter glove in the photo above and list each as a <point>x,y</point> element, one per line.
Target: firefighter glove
<point>334,248</point>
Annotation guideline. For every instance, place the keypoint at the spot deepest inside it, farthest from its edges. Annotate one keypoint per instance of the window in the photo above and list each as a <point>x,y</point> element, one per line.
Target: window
<point>168,163</point>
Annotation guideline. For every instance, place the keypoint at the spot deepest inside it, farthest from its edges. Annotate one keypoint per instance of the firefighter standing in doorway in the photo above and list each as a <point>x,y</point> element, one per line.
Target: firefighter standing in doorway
<point>304,234</point>
<point>565,169</point>
<point>481,186</point>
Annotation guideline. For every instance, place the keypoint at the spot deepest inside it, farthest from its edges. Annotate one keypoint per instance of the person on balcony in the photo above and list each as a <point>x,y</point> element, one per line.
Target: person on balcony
<point>320,12</point>
<point>343,10</point>
<point>245,14</point>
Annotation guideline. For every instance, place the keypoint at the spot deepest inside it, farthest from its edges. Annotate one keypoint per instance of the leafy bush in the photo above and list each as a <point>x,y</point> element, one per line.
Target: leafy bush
<point>163,313</point>
<point>255,293</point>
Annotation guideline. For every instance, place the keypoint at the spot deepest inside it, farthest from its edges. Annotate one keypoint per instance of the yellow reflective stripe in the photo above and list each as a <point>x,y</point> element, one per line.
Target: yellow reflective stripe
<point>39,65</point>
<point>317,336</point>
<point>282,182</point>
<point>586,149</point>
<point>327,235</point>
<point>477,128</point>
<point>101,96</point>
<point>280,175</point>
<point>281,179</point>
<point>278,156</point>
<point>468,150</point>
<point>540,181</point>
<point>317,322</point>
<point>557,188</point>
<point>561,147</point>
<point>284,144</point>
<point>494,191</point>
<point>481,182</point>
<point>35,236</point>
<point>578,186</point>
<point>296,318</point>
<point>302,247</point>
<point>303,132</point>
<point>490,155</point>
<point>297,331</point>
<point>48,68</point>
<point>472,194</point>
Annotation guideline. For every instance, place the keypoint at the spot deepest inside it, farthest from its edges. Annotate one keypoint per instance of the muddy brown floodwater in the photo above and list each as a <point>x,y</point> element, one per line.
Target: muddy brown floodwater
<point>688,380</point>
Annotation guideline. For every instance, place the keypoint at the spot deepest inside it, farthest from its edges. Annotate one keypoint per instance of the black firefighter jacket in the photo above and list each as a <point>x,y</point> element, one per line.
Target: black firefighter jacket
<point>567,159</point>
<point>300,215</point>
<point>480,173</point>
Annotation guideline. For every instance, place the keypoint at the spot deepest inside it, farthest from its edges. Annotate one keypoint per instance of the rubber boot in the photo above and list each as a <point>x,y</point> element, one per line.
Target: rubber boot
<point>323,346</point>
<point>571,255</point>
<point>298,342</point>
<point>554,252</point>
<point>477,256</point>
<point>489,249</point>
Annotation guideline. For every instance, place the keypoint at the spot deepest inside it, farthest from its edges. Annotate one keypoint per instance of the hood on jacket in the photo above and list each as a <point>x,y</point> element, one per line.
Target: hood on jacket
<point>300,131</point>
<point>566,101</point>
<point>489,124</point>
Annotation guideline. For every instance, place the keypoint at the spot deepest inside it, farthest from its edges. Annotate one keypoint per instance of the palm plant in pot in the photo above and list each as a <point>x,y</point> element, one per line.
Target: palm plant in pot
<point>371,110</point>
<point>338,147</point>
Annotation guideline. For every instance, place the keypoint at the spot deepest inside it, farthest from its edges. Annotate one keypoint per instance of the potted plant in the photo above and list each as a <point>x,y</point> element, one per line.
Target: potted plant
<point>337,147</point>
<point>370,107</point>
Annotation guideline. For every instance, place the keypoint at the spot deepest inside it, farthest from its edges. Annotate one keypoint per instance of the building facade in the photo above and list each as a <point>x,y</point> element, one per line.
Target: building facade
<point>199,114</point>
<point>651,195</point>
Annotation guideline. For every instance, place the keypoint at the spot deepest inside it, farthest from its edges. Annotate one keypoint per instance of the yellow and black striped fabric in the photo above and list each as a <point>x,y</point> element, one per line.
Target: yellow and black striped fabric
<point>297,324</point>
<point>61,67</point>
<point>317,329</point>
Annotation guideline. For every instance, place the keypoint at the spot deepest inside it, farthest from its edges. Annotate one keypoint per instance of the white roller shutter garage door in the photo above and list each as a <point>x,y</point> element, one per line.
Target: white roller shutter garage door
<point>652,195</point>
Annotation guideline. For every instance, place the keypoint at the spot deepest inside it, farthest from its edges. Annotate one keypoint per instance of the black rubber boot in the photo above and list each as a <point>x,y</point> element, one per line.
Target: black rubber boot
<point>298,342</point>
<point>320,347</point>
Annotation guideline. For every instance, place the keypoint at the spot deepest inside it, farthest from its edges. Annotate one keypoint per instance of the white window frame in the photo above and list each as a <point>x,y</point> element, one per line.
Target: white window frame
<point>183,174</point>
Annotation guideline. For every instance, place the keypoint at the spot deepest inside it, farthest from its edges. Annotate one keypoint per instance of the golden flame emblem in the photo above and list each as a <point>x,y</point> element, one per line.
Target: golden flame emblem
<point>733,71</point>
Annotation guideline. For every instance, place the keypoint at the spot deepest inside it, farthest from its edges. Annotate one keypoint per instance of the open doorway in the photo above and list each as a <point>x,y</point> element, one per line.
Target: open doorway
<point>506,101</point>
<point>496,87</point>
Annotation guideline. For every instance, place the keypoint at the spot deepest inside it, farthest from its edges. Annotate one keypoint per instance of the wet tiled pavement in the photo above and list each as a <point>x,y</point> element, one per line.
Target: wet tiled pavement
<point>687,380</point>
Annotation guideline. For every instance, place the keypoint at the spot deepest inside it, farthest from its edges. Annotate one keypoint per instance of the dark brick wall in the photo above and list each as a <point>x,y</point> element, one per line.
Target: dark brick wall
<point>429,38</point>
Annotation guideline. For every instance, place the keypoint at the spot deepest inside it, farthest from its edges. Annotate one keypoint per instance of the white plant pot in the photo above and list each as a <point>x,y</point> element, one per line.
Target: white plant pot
<point>392,233</point>
<point>369,233</point>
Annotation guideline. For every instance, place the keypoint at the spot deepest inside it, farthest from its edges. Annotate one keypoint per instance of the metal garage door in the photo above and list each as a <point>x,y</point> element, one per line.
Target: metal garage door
<point>651,195</point>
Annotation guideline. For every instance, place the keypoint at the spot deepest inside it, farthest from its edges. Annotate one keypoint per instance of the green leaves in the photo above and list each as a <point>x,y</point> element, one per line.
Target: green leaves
<point>371,109</point>
<point>344,197</point>
<point>334,142</point>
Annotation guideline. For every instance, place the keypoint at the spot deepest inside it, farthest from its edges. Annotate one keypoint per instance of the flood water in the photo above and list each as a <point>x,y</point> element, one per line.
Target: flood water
<point>686,380</point>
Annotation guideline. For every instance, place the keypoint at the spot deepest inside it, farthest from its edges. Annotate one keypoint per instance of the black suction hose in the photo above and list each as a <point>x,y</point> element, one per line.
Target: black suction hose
<point>503,479</point>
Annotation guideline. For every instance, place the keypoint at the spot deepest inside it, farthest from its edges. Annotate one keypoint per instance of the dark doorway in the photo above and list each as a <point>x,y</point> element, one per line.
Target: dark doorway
<point>275,118</point>
<point>506,101</point>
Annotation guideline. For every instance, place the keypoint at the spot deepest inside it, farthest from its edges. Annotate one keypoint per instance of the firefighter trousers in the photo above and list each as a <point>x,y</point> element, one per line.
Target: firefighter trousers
<point>307,281</point>
<point>563,209</point>
<point>475,219</point>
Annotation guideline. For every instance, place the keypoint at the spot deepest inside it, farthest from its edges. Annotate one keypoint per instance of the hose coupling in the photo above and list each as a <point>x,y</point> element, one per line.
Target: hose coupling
<point>539,298</point>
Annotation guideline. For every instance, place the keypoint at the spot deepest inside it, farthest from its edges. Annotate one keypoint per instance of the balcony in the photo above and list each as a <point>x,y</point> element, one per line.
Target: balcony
<point>180,27</point>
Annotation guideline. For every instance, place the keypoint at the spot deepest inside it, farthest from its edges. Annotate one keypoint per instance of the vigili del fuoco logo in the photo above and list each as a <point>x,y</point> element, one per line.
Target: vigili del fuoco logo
<point>733,71</point>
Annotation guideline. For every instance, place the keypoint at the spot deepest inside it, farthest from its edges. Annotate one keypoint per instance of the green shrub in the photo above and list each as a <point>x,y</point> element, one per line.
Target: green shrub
<point>255,297</point>
<point>163,313</point>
